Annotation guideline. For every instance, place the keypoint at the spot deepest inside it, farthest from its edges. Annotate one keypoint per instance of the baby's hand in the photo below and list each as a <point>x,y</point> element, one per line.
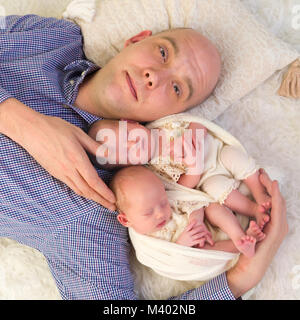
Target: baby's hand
<point>207,238</point>
<point>194,235</point>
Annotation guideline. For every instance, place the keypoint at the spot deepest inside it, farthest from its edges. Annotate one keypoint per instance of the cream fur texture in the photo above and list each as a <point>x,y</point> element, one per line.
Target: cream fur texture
<point>265,123</point>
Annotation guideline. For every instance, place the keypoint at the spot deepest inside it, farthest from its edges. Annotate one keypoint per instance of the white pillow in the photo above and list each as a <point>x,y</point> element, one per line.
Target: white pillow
<point>250,54</point>
<point>45,8</point>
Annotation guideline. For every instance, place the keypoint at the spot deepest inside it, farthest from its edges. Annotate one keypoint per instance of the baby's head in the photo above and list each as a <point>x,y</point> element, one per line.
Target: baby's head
<point>142,201</point>
<point>121,143</point>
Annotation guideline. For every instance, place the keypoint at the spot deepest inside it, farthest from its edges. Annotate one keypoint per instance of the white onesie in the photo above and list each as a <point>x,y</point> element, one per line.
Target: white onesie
<point>225,166</point>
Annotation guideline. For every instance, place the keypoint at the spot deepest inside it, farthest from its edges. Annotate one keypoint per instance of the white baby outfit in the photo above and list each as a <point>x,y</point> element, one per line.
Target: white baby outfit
<point>225,166</point>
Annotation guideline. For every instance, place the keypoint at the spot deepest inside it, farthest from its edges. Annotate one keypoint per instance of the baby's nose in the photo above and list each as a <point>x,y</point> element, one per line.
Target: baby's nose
<point>159,214</point>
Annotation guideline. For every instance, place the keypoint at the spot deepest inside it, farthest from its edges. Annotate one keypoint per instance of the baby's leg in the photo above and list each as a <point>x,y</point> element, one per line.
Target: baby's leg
<point>223,190</point>
<point>258,191</point>
<point>237,202</point>
<point>240,165</point>
<point>223,218</point>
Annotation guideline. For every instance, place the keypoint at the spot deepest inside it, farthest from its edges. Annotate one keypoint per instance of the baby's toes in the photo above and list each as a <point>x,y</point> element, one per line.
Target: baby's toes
<point>267,205</point>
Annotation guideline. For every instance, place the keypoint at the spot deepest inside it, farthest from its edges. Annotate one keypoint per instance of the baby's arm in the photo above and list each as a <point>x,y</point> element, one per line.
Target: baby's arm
<point>190,179</point>
<point>196,233</point>
<point>197,215</point>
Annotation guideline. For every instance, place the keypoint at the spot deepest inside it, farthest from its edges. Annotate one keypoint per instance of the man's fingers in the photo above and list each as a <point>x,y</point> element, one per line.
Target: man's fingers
<point>88,143</point>
<point>272,188</point>
<point>90,175</point>
<point>98,185</point>
<point>266,181</point>
<point>277,198</point>
<point>84,190</point>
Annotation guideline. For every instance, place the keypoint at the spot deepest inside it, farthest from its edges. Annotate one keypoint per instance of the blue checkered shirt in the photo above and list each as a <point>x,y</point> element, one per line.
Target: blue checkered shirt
<point>42,65</point>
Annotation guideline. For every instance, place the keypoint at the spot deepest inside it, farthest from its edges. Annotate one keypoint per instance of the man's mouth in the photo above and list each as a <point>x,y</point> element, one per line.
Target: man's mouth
<point>131,85</point>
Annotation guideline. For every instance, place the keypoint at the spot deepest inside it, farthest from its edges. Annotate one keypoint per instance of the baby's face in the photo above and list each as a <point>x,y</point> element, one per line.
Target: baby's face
<point>148,209</point>
<point>122,142</point>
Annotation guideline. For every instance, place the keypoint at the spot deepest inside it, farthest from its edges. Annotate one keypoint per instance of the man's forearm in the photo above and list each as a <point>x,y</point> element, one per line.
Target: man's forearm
<point>15,117</point>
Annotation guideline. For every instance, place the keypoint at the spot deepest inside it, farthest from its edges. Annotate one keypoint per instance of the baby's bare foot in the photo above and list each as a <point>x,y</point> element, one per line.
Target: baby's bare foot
<point>261,218</point>
<point>264,202</point>
<point>255,231</point>
<point>246,245</point>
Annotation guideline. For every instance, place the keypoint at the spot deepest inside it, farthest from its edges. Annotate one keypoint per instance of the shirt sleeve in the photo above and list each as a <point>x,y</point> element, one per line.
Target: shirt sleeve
<point>15,23</point>
<point>16,33</point>
<point>215,289</point>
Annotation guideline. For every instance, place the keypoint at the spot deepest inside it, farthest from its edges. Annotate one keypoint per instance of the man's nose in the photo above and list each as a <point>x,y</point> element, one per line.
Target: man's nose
<point>154,77</point>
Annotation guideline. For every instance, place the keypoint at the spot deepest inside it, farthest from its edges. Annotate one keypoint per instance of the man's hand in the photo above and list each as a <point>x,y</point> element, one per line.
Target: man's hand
<point>249,271</point>
<point>57,146</point>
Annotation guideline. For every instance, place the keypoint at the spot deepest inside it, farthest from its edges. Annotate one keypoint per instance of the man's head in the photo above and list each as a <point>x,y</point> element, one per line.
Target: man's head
<point>141,199</point>
<point>156,75</point>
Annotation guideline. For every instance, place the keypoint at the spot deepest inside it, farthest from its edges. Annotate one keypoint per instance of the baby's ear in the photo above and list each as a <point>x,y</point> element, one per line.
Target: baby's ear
<point>123,219</point>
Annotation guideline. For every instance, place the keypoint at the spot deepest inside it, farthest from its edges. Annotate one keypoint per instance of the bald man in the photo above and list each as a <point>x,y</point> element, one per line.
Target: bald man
<point>49,96</point>
<point>153,76</point>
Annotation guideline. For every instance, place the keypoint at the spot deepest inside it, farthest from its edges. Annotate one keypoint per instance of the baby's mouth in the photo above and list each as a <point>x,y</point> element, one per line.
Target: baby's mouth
<point>160,225</point>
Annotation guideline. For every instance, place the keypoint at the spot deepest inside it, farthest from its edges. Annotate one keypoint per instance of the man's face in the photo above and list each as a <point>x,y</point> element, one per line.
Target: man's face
<point>154,76</point>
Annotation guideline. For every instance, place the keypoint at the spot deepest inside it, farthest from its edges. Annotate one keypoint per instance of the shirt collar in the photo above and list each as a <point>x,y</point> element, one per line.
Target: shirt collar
<point>75,73</point>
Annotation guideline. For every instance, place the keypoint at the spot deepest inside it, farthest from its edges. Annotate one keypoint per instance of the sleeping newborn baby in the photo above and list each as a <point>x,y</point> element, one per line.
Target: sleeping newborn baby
<point>143,205</point>
<point>224,167</point>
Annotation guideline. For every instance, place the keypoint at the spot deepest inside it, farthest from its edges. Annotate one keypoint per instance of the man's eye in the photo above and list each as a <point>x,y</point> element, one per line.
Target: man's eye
<point>176,89</point>
<point>163,53</point>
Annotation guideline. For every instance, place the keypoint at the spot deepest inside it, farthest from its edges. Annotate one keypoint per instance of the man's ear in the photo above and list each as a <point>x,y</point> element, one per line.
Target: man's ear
<point>141,36</point>
<point>123,219</point>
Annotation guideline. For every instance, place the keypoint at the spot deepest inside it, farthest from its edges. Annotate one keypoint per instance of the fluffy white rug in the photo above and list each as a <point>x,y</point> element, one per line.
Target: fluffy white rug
<point>268,126</point>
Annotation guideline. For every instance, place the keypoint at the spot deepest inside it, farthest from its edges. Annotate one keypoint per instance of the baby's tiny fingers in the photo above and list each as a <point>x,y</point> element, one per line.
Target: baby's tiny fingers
<point>198,228</point>
<point>210,241</point>
<point>199,235</point>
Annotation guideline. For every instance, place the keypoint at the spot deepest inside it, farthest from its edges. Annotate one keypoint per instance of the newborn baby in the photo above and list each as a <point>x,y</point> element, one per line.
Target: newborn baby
<point>217,212</point>
<point>143,205</point>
